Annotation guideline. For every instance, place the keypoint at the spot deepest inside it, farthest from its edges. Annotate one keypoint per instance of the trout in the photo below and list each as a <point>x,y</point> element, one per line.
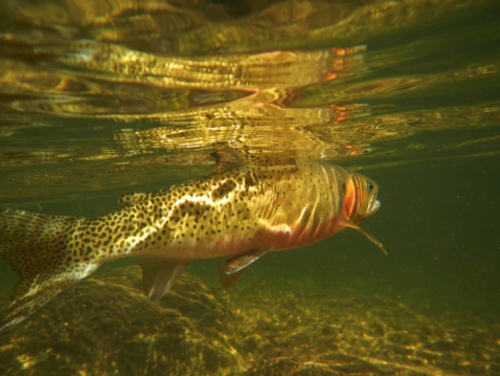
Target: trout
<point>237,214</point>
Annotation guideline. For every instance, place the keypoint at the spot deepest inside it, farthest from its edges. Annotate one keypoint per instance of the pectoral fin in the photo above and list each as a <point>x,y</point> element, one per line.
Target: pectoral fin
<point>370,237</point>
<point>159,275</point>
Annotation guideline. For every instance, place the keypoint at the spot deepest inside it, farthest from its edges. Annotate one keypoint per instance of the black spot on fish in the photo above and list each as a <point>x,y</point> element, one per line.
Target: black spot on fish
<point>223,189</point>
<point>249,180</point>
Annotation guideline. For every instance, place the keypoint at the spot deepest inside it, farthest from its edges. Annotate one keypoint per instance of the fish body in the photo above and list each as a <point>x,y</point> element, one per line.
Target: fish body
<point>237,214</point>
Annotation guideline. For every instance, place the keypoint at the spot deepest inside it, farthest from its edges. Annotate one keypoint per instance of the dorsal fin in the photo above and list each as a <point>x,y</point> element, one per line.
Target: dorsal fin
<point>130,198</point>
<point>226,161</point>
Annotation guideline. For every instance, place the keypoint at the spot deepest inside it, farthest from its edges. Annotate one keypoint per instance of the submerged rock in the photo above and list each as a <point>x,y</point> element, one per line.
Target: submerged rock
<point>105,326</point>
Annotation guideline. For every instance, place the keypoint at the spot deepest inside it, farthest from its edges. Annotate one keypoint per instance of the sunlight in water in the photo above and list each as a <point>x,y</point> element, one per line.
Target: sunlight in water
<point>255,99</point>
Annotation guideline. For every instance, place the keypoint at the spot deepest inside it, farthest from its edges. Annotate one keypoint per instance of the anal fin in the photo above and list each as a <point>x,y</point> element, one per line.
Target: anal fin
<point>159,275</point>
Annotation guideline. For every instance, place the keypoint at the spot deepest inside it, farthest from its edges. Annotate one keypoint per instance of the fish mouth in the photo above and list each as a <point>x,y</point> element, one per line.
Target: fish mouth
<point>374,206</point>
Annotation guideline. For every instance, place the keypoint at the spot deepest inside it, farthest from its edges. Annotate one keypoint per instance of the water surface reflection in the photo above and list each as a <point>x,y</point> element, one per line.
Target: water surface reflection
<point>99,98</point>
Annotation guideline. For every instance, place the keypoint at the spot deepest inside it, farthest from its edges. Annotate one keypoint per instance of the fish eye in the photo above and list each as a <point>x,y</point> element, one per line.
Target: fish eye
<point>370,187</point>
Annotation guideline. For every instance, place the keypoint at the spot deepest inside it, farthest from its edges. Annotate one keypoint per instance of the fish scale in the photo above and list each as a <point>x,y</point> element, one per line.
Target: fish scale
<point>237,214</point>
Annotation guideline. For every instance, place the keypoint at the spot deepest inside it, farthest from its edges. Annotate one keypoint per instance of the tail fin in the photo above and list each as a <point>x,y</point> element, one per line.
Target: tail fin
<point>38,248</point>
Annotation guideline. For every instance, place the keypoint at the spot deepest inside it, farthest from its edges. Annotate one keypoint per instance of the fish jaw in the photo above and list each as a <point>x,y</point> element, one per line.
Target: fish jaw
<point>374,206</point>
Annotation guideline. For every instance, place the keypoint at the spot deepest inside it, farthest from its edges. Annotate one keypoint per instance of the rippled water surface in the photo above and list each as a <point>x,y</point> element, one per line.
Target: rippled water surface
<point>100,98</point>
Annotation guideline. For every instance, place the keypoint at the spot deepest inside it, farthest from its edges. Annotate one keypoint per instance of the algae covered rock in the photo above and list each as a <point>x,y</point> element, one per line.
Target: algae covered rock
<point>105,326</point>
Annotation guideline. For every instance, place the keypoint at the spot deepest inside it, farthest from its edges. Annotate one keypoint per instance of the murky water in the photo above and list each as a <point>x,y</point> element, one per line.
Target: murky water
<point>97,99</point>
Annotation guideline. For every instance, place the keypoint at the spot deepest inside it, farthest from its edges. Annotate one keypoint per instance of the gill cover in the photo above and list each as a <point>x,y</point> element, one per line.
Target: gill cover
<point>360,201</point>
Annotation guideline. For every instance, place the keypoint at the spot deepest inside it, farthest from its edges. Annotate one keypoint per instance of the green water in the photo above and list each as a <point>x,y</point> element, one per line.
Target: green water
<point>417,108</point>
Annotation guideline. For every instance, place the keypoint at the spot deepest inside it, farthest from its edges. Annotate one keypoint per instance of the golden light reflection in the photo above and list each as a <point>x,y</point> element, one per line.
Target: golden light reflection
<point>97,96</point>
<point>109,82</point>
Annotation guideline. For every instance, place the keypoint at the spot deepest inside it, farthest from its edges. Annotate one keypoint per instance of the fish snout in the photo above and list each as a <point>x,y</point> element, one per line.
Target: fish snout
<point>374,206</point>
<point>369,204</point>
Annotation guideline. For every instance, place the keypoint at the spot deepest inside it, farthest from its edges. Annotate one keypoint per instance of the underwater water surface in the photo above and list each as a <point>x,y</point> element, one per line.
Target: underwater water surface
<point>102,98</point>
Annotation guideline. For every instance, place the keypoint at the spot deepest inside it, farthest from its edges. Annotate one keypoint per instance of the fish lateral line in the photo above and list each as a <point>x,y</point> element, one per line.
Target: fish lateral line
<point>238,213</point>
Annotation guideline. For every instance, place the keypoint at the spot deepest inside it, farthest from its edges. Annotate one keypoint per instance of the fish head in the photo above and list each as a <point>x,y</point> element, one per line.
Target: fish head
<point>360,200</point>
